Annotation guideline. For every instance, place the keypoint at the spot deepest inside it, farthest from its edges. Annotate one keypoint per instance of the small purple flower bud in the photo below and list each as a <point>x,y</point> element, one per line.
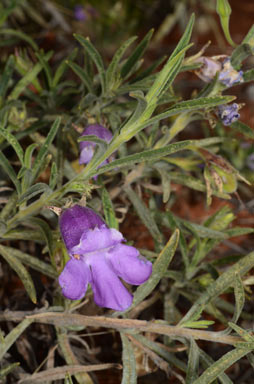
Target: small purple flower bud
<point>99,257</point>
<point>209,68</point>
<point>228,113</point>
<point>228,75</point>
<point>79,13</point>
<point>87,147</point>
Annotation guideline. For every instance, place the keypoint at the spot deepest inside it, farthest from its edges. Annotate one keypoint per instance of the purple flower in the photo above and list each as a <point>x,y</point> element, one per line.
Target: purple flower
<point>209,68</point>
<point>99,257</point>
<point>228,75</point>
<point>79,13</point>
<point>228,113</point>
<point>87,147</point>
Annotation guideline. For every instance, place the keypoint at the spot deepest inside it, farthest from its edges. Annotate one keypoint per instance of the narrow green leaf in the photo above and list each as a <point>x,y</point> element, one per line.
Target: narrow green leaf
<point>249,38</point>
<point>242,332</point>
<point>239,298</point>
<point>20,35</point>
<point>223,282</point>
<point>185,38</point>
<point>239,126</point>
<point>159,269</point>
<point>113,72</point>
<point>198,324</point>
<point>136,55</point>
<point>239,54</point>
<point>95,56</point>
<point>148,155</point>
<point>14,143</point>
<point>94,139</point>
<point>28,155</point>
<point>9,207</point>
<point>6,77</point>
<point>145,215</point>
<point>155,154</point>
<point>166,76</point>
<point>46,67</point>
<point>46,233</point>
<point>4,163</point>
<point>207,361</point>
<point>82,75</point>
<point>147,72</point>
<point>62,67</point>
<point>141,107</point>
<point>216,369</point>
<point>45,148</point>
<point>20,270</point>
<point>7,369</point>
<point>27,79</point>
<point>248,75</point>
<point>172,67</point>
<point>12,336</point>
<point>34,190</point>
<point>108,209</point>
<point>53,176</point>
<point>192,105</point>
<point>33,262</point>
<point>193,363</point>
<point>129,361</point>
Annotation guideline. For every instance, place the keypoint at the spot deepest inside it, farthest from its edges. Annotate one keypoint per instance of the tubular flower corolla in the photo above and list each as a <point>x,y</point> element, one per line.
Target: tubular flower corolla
<point>209,68</point>
<point>87,147</point>
<point>98,256</point>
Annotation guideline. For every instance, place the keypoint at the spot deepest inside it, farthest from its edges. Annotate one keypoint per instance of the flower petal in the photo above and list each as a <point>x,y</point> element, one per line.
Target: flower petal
<point>75,221</point>
<point>86,154</point>
<point>128,264</point>
<point>108,290</point>
<point>97,239</point>
<point>74,279</point>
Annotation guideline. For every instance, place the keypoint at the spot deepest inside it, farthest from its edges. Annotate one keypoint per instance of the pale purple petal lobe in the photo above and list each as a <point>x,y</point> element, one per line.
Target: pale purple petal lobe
<point>74,279</point>
<point>108,290</point>
<point>98,239</point>
<point>86,154</point>
<point>128,264</point>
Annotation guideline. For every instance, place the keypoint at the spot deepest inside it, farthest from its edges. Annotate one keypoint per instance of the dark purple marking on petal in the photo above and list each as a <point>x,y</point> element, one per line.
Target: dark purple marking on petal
<point>128,264</point>
<point>74,279</point>
<point>75,221</point>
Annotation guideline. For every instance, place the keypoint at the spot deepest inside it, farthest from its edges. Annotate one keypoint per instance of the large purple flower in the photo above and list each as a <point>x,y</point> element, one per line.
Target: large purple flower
<point>87,147</point>
<point>99,257</point>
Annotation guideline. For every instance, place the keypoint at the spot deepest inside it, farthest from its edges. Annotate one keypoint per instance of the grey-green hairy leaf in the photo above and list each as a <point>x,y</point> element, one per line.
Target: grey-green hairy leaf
<point>95,56</point>
<point>217,368</point>
<point>159,269</point>
<point>20,270</point>
<point>12,336</point>
<point>129,361</point>
<point>223,282</point>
